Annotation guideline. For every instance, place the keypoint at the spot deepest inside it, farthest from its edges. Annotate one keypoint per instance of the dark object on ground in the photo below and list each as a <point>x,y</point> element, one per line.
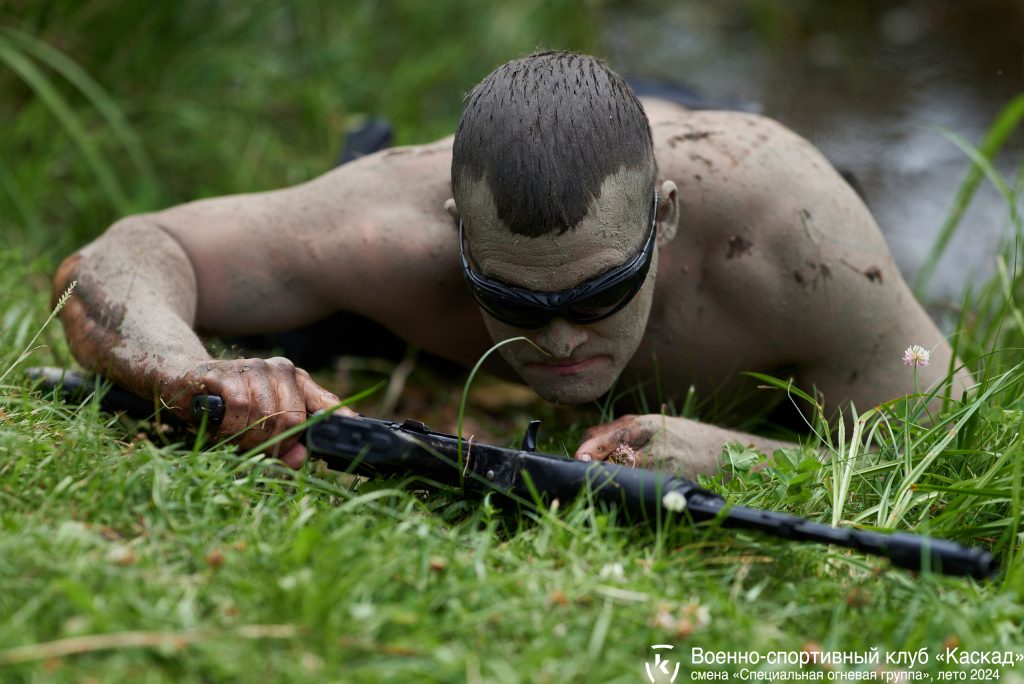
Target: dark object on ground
<point>76,388</point>
<point>376,448</point>
<point>375,134</point>
<point>316,345</point>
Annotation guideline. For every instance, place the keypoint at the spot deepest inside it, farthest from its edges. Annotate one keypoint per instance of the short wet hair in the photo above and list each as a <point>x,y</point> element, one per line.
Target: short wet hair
<point>545,131</point>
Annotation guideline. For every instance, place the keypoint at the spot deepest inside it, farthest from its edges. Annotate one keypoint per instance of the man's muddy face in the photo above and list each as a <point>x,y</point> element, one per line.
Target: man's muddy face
<point>578,363</point>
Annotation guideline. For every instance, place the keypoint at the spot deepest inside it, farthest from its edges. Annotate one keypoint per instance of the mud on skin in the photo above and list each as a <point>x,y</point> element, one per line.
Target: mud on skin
<point>88,317</point>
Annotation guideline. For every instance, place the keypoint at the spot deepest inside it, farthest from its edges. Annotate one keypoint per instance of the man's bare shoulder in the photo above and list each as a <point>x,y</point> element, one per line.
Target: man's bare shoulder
<point>756,193</point>
<point>410,182</point>
<point>356,238</point>
<point>788,256</point>
<point>733,134</point>
<point>765,219</point>
<point>737,156</point>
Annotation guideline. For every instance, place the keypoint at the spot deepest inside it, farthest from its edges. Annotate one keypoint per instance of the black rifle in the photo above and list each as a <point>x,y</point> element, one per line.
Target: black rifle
<point>377,448</point>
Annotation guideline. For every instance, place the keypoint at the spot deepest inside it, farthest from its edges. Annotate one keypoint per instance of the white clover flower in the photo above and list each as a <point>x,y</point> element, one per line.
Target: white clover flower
<point>613,572</point>
<point>674,501</point>
<point>916,356</point>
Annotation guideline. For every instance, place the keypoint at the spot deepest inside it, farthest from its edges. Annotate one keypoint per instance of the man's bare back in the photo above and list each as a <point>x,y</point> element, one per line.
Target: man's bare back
<point>767,261</point>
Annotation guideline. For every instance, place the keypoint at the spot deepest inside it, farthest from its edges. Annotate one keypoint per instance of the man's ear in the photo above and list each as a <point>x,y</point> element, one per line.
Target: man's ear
<point>451,208</point>
<point>668,212</point>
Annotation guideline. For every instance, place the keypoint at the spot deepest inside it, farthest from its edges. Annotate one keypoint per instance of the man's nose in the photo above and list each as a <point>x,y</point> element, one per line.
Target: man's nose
<point>560,338</point>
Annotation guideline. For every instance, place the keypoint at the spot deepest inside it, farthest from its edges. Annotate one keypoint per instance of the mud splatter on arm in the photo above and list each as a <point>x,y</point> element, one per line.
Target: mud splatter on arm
<point>131,314</point>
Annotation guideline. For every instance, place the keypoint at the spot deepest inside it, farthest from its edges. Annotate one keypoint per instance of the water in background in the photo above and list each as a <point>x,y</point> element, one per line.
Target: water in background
<point>862,81</point>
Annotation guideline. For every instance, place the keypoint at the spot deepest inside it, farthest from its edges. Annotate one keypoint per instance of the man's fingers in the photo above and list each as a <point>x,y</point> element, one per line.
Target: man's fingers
<point>263,399</point>
<point>599,447</point>
<point>294,457</point>
<point>607,439</point>
<point>315,396</point>
<point>585,452</point>
<point>319,399</point>
<point>289,407</point>
<point>237,405</point>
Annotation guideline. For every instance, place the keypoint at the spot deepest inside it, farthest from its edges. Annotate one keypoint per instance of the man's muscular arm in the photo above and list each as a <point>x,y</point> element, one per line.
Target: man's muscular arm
<point>130,318</point>
<point>239,264</point>
<point>131,313</point>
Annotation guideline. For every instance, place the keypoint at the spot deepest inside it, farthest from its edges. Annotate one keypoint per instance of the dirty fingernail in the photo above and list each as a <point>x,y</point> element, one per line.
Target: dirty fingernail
<point>586,457</point>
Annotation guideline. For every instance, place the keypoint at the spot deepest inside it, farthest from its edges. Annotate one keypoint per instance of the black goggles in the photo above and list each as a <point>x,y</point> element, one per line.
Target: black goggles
<point>590,301</point>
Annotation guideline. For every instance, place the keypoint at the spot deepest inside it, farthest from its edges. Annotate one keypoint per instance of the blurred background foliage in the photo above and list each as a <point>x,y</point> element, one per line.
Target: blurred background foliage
<point>113,107</point>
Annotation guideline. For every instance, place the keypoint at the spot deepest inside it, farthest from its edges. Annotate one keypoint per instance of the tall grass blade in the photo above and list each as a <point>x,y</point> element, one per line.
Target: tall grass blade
<point>472,374</point>
<point>857,446</point>
<point>1013,542</point>
<point>95,93</point>
<point>994,176</point>
<point>72,124</point>
<point>28,348</point>
<point>1006,122</point>
<point>9,184</point>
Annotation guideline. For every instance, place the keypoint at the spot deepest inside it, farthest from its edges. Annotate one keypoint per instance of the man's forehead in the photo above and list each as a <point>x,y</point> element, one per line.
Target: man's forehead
<point>608,236</point>
<point>620,196</point>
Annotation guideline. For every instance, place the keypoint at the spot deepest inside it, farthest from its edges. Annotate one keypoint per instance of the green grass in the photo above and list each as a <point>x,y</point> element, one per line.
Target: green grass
<point>161,562</point>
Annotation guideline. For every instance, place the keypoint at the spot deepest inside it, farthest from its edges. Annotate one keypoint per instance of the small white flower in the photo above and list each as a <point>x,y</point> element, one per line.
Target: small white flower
<point>916,356</point>
<point>311,662</point>
<point>697,613</point>
<point>613,572</point>
<point>121,555</point>
<point>674,501</point>
<point>362,610</point>
<point>295,579</point>
<point>77,624</point>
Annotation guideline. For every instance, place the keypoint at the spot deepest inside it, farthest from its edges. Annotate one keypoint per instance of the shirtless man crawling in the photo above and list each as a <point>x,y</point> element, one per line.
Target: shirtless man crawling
<point>627,242</point>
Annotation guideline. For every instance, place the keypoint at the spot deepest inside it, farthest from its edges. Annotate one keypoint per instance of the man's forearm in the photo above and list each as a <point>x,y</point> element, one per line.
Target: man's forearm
<point>130,316</point>
<point>678,445</point>
<point>690,448</point>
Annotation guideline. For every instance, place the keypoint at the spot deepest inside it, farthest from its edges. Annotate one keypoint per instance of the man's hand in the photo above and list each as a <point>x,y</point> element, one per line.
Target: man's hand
<point>620,441</point>
<point>262,398</point>
<point>677,445</point>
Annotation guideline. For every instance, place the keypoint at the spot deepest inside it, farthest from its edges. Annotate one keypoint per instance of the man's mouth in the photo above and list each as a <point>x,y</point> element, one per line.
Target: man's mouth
<point>568,366</point>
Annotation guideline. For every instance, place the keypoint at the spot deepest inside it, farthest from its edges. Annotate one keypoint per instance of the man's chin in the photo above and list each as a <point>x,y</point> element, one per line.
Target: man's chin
<point>569,390</point>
